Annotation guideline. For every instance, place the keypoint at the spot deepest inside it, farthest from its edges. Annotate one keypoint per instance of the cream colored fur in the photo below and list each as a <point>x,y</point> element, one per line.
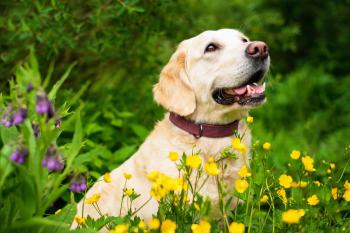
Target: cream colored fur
<point>185,87</point>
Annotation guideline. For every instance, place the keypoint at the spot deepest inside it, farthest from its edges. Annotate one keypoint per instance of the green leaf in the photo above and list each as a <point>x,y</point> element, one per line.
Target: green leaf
<point>8,134</point>
<point>58,84</point>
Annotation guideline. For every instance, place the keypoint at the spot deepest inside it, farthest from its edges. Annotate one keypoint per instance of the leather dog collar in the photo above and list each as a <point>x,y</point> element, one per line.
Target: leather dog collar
<point>203,130</point>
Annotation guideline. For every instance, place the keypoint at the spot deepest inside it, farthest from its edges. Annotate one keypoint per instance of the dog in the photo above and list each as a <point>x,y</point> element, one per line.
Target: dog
<point>209,84</point>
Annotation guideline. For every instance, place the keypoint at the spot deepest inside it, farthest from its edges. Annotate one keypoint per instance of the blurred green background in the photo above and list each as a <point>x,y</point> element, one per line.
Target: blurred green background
<point>121,46</point>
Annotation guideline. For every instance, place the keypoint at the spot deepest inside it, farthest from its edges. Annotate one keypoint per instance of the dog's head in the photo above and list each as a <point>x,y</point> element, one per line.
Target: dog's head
<point>215,77</point>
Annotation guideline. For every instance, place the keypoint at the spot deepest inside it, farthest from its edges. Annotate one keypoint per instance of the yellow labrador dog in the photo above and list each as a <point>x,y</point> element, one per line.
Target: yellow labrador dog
<point>209,84</point>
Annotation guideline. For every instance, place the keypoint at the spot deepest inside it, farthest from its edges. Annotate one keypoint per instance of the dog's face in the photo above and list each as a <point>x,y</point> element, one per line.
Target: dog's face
<point>214,77</point>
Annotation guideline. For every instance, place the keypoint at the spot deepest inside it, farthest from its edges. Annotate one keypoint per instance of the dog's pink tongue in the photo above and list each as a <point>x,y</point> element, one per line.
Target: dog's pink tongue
<point>249,89</point>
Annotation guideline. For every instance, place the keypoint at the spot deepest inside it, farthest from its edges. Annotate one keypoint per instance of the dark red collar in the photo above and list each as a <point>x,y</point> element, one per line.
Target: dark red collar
<point>203,130</point>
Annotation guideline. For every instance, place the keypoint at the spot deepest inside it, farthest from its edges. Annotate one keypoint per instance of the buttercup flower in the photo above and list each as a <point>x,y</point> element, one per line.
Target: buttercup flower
<point>332,165</point>
<point>196,206</point>
<point>250,119</point>
<point>239,146</point>
<point>301,184</point>
<point>308,163</point>
<point>79,220</point>
<point>334,193</point>
<point>236,227</point>
<point>313,200</point>
<point>266,146</point>
<point>285,181</point>
<point>295,154</point>
<point>292,216</point>
<point>202,227</point>
<point>317,183</point>
<point>282,194</point>
<point>173,156</point>
<point>127,176</point>
<point>193,161</point>
<point>142,225</point>
<point>347,185</point>
<point>121,228</point>
<point>152,176</point>
<point>19,155</point>
<point>241,185</point>
<point>154,224</point>
<point>347,195</point>
<point>93,199</point>
<point>107,177</point>
<point>244,172</point>
<point>264,199</point>
<point>168,226</point>
<point>211,168</point>
<point>129,192</point>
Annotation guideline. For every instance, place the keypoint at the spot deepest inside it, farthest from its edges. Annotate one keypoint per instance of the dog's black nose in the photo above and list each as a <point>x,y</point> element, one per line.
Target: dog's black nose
<point>257,49</point>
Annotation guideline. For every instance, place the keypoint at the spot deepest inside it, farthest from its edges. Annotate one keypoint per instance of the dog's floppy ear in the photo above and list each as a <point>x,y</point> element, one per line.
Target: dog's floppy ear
<point>174,91</point>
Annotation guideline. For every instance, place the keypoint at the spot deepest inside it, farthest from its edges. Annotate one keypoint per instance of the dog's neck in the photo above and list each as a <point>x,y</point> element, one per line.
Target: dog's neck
<point>199,130</point>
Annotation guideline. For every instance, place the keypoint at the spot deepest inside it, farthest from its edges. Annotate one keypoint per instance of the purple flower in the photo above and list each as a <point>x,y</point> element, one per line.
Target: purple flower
<point>53,160</point>
<point>19,155</point>
<point>78,184</point>
<point>44,106</point>
<point>20,116</point>
<point>29,87</point>
<point>36,129</point>
<point>58,122</point>
<point>7,120</point>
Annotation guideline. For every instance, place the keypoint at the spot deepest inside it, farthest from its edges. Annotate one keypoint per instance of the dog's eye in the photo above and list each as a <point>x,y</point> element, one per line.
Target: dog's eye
<point>211,47</point>
<point>244,40</point>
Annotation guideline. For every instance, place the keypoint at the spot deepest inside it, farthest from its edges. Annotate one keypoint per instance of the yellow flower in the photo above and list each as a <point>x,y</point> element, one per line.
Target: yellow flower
<point>295,154</point>
<point>285,181</point>
<point>196,206</point>
<point>79,220</point>
<point>168,226</point>
<point>136,230</point>
<point>121,228</point>
<point>173,156</point>
<point>129,192</point>
<point>317,183</point>
<point>282,194</point>
<point>142,225</point>
<point>250,119</point>
<point>335,193</point>
<point>154,224</point>
<point>347,195</point>
<point>241,185</point>
<point>308,163</point>
<point>347,185</point>
<point>264,199</point>
<point>303,184</point>
<point>292,216</point>
<point>332,165</point>
<point>202,227</point>
<point>127,176</point>
<point>152,176</point>
<point>58,211</point>
<point>193,161</point>
<point>329,171</point>
<point>236,227</point>
<point>211,168</point>
<point>267,146</point>
<point>238,145</point>
<point>93,199</point>
<point>107,177</point>
<point>244,172</point>
<point>313,200</point>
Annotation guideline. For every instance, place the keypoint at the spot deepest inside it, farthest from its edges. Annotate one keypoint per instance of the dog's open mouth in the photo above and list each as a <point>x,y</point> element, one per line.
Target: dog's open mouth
<point>251,93</point>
